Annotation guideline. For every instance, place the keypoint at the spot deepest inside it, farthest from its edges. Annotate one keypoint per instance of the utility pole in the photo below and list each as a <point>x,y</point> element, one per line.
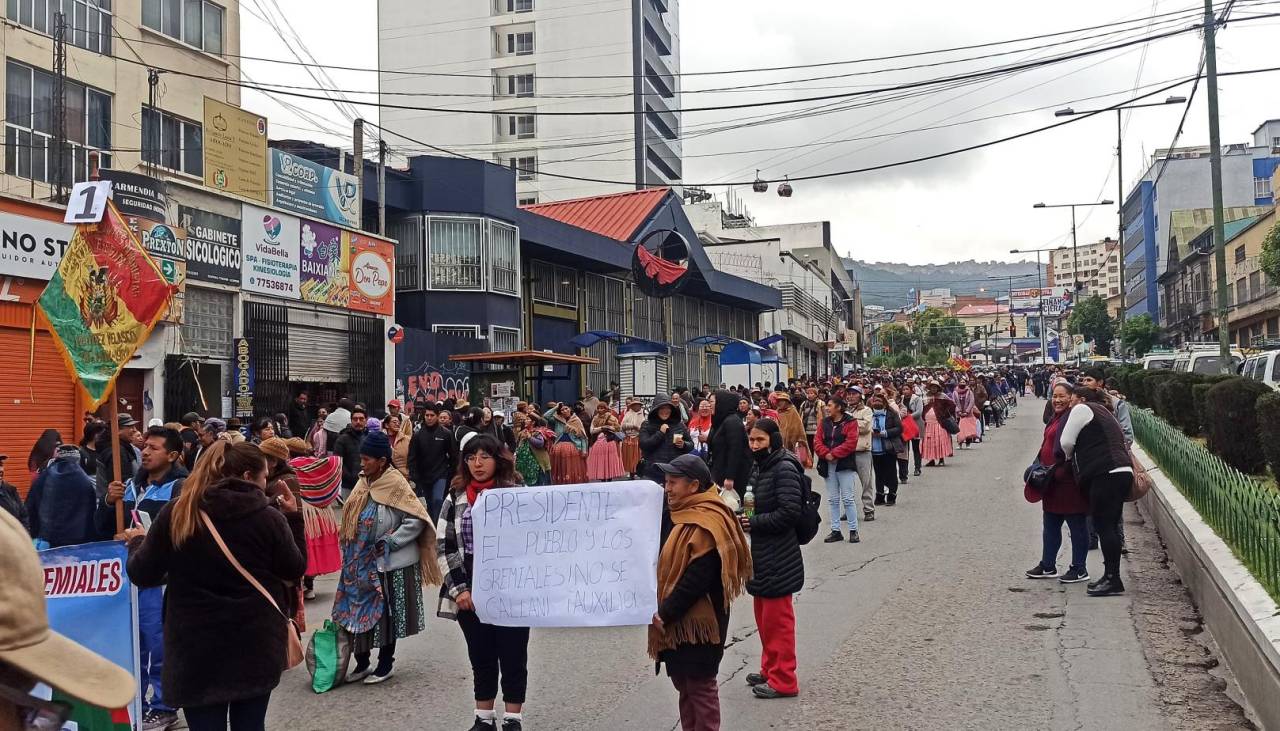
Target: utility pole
<point>357,168</point>
<point>382,187</point>
<point>1120,207</point>
<point>153,80</point>
<point>1215,179</point>
<point>60,162</point>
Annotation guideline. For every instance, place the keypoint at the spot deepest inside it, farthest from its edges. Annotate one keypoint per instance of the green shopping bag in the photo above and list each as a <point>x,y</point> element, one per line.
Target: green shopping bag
<point>328,654</point>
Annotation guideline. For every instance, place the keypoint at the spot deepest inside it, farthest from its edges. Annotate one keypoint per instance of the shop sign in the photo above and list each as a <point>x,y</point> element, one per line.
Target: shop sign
<point>314,190</point>
<point>325,265</point>
<point>32,247</point>
<point>159,239</point>
<point>175,273</point>
<point>213,246</point>
<point>235,150</point>
<point>271,261</point>
<point>138,196</point>
<point>372,274</point>
<point>242,372</point>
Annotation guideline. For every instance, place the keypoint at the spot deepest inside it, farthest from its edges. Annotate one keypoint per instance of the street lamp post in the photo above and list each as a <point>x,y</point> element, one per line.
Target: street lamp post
<point>1040,286</point>
<point>1075,256</point>
<point>1069,112</point>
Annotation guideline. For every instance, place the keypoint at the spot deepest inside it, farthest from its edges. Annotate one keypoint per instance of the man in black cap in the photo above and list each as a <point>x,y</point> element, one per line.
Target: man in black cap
<point>687,468</point>
<point>130,456</point>
<point>9,499</point>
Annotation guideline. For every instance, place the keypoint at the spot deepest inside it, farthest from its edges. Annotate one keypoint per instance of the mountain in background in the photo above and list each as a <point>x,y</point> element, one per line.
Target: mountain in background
<point>889,285</point>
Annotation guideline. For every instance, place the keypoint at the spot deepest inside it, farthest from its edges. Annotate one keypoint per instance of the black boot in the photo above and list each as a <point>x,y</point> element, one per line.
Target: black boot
<point>1107,585</point>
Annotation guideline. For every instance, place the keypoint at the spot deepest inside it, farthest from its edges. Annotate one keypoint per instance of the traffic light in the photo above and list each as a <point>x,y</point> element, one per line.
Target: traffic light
<point>1013,330</point>
<point>977,332</point>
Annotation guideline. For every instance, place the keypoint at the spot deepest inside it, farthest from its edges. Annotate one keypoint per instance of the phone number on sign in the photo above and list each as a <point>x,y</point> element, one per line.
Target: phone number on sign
<point>273,284</point>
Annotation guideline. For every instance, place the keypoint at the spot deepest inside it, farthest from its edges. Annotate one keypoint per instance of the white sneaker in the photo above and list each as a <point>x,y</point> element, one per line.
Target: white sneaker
<point>374,678</point>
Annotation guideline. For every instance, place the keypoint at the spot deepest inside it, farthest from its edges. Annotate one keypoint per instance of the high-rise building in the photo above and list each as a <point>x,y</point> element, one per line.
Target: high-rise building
<point>133,120</point>
<point>583,89</point>
<point>1178,179</point>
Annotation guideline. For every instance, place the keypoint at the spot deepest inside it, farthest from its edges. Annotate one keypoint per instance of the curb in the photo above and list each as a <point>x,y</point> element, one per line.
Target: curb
<point>1241,616</point>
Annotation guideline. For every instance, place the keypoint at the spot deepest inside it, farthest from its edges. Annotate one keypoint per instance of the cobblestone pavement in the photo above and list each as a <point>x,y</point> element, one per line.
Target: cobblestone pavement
<point>928,623</point>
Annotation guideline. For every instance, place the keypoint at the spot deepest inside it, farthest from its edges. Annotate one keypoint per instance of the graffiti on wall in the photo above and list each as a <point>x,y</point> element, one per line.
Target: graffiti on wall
<point>431,383</point>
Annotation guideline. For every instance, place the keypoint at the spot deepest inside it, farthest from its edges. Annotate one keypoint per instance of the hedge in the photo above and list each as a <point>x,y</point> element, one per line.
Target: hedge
<point>1200,399</point>
<point>1268,410</point>
<point>1232,422</point>
<point>1174,401</point>
<point>1144,384</point>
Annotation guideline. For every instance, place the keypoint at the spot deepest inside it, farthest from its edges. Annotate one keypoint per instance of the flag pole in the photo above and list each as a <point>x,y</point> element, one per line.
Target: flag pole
<point>113,418</point>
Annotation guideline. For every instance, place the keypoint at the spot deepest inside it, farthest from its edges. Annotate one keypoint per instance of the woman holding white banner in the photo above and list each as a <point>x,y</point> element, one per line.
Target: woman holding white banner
<point>704,565</point>
<point>496,653</point>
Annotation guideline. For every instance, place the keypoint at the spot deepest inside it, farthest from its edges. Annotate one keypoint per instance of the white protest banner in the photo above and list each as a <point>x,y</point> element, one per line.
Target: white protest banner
<point>567,555</point>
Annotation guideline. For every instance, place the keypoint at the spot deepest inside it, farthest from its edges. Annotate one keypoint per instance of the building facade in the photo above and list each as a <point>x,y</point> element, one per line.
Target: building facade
<point>1096,267</point>
<point>1178,179</point>
<point>588,91</point>
<point>821,317</point>
<point>132,119</point>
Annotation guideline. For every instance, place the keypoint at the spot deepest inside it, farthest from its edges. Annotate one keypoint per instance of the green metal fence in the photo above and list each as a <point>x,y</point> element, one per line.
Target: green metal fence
<point>1244,512</point>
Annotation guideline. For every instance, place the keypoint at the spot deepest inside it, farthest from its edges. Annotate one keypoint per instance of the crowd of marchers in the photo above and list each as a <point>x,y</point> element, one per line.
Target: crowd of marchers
<point>229,526</point>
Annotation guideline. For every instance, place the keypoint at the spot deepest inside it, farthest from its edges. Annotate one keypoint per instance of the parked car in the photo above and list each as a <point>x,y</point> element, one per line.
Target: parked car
<point>1159,361</point>
<point>1205,360</point>
<point>1263,367</point>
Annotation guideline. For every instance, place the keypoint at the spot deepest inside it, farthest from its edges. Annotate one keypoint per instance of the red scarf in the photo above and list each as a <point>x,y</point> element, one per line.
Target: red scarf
<point>475,488</point>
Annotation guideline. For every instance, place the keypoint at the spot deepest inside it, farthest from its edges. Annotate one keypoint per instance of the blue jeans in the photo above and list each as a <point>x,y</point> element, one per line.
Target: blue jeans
<point>1053,540</point>
<point>435,499</point>
<point>840,490</point>
<point>151,645</point>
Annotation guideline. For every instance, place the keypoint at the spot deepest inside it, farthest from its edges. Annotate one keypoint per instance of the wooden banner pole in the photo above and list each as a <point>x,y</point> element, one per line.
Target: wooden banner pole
<point>113,420</point>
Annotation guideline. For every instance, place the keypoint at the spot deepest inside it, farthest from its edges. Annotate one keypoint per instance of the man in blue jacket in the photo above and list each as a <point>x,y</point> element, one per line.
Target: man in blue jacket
<point>157,482</point>
<point>61,504</point>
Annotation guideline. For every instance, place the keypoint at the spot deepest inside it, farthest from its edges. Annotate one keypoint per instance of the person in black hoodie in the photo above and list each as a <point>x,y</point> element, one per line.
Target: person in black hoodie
<point>433,458</point>
<point>225,642</point>
<point>777,566</point>
<point>347,447</point>
<point>62,503</point>
<point>129,455</point>
<point>730,457</point>
<point>663,437</point>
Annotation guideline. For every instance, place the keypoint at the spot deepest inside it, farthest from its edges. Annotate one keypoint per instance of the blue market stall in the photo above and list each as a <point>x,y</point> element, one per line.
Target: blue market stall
<point>644,366</point>
<point>741,362</point>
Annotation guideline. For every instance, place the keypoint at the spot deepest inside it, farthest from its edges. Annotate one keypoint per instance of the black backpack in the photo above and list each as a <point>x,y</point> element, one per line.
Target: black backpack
<point>810,503</point>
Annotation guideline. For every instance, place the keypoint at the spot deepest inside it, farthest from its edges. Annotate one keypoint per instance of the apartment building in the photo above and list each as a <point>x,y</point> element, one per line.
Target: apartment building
<point>1095,266</point>
<point>136,120</point>
<point>540,86</point>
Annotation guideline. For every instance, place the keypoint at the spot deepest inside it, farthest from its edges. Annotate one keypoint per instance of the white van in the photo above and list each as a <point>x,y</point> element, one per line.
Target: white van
<point>1263,367</point>
<point>1158,361</point>
<point>1205,361</point>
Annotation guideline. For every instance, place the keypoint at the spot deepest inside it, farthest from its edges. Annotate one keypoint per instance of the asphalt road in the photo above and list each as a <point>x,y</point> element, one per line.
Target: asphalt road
<point>928,623</point>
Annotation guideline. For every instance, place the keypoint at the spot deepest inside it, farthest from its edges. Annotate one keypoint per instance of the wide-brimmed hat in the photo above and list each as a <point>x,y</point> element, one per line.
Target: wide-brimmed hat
<point>782,396</point>
<point>275,447</point>
<point>28,644</point>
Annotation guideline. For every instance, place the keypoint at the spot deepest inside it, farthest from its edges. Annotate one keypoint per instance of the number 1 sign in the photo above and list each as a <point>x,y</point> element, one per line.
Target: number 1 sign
<point>87,202</point>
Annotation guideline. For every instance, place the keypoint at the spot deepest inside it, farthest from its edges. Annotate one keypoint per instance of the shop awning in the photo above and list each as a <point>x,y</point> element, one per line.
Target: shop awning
<point>591,337</point>
<point>522,358</point>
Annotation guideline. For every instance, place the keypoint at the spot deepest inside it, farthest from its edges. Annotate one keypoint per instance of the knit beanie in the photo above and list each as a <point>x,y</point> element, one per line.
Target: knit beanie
<point>275,447</point>
<point>376,445</point>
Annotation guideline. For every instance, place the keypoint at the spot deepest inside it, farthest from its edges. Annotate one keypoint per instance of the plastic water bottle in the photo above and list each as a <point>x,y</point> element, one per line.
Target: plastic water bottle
<point>749,503</point>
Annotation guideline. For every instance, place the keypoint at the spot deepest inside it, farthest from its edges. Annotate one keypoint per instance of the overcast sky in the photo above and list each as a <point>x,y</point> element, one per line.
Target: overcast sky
<point>976,205</point>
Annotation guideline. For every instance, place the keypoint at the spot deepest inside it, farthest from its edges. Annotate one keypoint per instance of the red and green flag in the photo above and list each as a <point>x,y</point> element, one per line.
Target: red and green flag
<point>103,302</point>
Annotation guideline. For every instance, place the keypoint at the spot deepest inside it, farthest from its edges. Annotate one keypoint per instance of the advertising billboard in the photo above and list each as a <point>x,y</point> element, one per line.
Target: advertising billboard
<point>313,190</point>
<point>325,268</point>
<point>372,274</point>
<point>32,247</point>
<point>137,196</point>
<point>271,261</point>
<point>235,150</point>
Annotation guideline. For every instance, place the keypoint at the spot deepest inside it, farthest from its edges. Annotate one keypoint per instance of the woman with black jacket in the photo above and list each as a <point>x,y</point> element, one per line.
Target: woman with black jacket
<point>224,642</point>
<point>886,442</point>
<point>730,457</point>
<point>1094,441</point>
<point>663,437</point>
<point>777,566</point>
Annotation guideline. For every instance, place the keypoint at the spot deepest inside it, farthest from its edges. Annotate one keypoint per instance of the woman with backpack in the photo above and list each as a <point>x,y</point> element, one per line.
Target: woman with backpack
<point>777,566</point>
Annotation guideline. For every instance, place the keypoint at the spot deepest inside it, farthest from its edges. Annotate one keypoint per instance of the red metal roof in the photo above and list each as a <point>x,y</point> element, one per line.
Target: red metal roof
<point>617,216</point>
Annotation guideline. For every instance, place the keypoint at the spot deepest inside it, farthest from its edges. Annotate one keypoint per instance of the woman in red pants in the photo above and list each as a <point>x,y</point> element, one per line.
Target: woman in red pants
<point>777,567</point>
